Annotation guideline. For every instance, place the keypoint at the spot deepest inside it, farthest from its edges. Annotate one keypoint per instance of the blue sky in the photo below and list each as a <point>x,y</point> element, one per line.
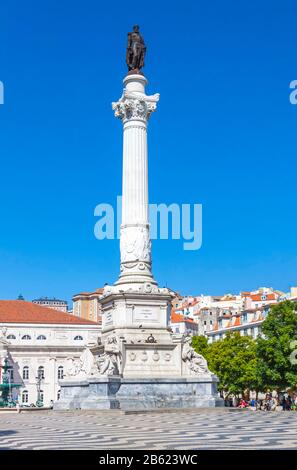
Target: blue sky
<point>224,135</point>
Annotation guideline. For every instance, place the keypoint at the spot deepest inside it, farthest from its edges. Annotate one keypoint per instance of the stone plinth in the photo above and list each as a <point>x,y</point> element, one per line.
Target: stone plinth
<point>139,394</point>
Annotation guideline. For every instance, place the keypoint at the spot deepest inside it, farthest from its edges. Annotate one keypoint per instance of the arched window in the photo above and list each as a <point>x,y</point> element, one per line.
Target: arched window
<point>60,372</point>
<point>40,372</point>
<point>25,373</point>
<point>26,337</point>
<point>41,337</point>
<point>78,338</point>
<point>25,396</point>
<point>58,394</point>
<point>11,337</point>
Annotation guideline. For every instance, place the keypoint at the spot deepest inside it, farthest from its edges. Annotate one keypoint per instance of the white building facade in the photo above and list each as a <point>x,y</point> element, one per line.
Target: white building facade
<point>40,348</point>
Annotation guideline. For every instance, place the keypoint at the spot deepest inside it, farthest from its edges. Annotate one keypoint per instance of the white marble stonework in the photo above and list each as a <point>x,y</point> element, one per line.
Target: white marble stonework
<point>137,363</point>
<point>134,109</point>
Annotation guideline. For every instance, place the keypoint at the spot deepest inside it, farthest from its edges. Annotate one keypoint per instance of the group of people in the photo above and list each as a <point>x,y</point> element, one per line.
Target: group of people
<point>285,402</point>
<point>289,403</point>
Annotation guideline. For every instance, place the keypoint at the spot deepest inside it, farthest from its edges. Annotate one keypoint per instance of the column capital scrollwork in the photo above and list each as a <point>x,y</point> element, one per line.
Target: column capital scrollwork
<point>133,106</point>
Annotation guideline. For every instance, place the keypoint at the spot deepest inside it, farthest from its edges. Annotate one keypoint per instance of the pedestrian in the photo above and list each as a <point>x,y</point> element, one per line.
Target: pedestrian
<point>18,408</point>
<point>284,403</point>
<point>289,403</point>
<point>242,403</point>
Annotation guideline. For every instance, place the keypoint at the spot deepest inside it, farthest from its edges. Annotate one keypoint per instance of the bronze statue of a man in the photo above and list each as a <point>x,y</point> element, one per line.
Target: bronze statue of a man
<point>135,51</point>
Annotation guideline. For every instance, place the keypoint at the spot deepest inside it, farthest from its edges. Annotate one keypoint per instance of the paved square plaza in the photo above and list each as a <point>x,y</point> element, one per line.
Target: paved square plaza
<point>179,430</point>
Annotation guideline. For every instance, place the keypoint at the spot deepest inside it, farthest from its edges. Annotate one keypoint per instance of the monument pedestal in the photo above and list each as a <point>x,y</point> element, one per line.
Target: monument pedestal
<point>139,365</point>
<point>139,394</point>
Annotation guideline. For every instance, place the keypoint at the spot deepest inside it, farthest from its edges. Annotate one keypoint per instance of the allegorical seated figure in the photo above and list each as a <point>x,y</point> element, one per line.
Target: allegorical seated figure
<point>196,363</point>
<point>135,50</point>
<point>109,363</point>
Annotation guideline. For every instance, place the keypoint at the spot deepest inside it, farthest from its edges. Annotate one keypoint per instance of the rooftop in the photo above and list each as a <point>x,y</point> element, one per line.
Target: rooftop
<point>48,299</point>
<point>19,311</point>
<point>178,318</point>
<point>97,292</point>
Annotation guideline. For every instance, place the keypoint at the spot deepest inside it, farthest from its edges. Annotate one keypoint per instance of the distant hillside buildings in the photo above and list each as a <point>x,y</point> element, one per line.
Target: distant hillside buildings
<point>214,316</point>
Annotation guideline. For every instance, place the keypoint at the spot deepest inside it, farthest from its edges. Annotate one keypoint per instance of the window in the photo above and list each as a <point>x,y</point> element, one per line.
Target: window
<point>41,395</point>
<point>78,338</point>
<point>26,337</point>
<point>60,372</point>
<point>25,373</point>
<point>41,337</point>
<point>25,396</point>
<point>11,337</point>
<point>40,373</point>
<point>59,395</point>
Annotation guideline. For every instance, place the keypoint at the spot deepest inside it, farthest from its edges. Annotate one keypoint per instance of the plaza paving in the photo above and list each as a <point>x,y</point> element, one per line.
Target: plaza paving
<point>217,429</point>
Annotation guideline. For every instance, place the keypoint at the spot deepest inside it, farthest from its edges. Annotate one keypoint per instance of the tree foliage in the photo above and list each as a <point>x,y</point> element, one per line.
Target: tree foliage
<point>233,360</point>
<point>200,344</point>
<point>270,362</point>
<point>275,348</point>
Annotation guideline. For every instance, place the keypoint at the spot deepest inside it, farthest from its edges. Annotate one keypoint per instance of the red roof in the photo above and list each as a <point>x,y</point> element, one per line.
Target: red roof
<point>89,294</point>
<point>177,318</point>
<point>19,311</point>
<point>259,297</point>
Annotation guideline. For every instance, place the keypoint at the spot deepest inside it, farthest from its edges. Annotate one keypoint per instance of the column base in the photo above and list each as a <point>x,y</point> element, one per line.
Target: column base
<point>139,394</point>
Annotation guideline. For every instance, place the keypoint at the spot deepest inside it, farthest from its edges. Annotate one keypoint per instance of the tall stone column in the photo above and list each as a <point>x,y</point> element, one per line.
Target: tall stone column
<point>134,109</point>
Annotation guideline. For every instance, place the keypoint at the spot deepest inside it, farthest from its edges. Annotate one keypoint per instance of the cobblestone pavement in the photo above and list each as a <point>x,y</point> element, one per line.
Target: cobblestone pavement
<point>215,429</point>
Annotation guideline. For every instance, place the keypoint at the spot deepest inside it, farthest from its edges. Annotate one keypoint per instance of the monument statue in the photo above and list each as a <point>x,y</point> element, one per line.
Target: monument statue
<point>135,51</point>
<point>196,363</point>
<point>82,367</point>
<point>138,364</point>
<point>109,363</point>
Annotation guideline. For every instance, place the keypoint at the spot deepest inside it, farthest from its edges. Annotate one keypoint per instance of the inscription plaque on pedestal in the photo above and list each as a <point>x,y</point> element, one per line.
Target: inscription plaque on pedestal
<point>145,314</point>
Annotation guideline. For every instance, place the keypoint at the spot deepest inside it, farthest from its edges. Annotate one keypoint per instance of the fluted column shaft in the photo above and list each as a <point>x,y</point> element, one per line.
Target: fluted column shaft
<point>134,109</point>
<point>135,174</point>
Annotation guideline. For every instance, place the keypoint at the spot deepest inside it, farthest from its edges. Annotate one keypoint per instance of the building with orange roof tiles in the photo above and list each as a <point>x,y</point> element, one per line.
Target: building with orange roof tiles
<point>42,345</point>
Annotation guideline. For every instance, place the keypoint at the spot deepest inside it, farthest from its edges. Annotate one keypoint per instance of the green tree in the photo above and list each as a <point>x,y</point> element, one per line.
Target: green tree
<point>274,349</point>
<point>233,360</point>
<point>200,344</point>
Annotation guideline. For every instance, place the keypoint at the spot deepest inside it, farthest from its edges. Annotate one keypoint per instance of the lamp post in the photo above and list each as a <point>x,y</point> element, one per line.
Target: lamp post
<point>39,402</point>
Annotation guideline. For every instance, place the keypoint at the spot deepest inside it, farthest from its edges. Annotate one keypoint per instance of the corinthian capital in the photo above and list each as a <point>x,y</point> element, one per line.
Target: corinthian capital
<point>135,106</point>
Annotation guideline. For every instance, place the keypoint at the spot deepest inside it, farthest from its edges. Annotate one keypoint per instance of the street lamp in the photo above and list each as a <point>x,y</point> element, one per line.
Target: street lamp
<point>39,402</point>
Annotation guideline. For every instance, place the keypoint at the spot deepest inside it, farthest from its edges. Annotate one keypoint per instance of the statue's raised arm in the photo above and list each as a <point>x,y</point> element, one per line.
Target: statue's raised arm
<point>135,51</point>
